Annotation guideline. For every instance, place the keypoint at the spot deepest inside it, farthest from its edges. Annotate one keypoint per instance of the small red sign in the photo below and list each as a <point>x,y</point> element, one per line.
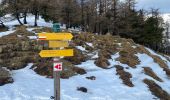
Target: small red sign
<point>58,66</point>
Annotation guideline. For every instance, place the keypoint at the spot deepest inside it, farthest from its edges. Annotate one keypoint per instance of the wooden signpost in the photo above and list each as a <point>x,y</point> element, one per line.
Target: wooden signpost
<point>56,40</point>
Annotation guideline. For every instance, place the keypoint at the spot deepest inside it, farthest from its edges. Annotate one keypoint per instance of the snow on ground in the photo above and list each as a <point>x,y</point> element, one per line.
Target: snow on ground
<point>5,33</point>
<point>81,48</point>
<point>27,86</point>
<point>30,86</point>
<point>30,20</point>
<point>107,86</point>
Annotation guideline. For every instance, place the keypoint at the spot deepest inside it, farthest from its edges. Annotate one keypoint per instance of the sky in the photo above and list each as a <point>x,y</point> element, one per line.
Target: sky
<point>163,5</point>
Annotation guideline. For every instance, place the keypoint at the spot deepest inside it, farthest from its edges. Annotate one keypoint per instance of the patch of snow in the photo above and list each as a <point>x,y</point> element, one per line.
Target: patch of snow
<point>81,48</point>
<point>33,37</point>
<point>163,58</point>
<point>120,44</point>
<point>147,61</point>
<point>27,86</point>
<point>107,86</point>
<point>134,47</point>
<point>90,44</point>
<point>19,36</point>
<point>6,33</point>
<point>30,20</point>
<point>31,29</point>
<point>95,56</point>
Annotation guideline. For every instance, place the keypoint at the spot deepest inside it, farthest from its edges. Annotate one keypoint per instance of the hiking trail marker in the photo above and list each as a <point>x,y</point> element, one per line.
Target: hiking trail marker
<point>56,40</point>
<point>57,66</point>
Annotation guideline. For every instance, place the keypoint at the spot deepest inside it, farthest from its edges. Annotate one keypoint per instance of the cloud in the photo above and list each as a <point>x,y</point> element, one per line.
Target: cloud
<point>162,5</point>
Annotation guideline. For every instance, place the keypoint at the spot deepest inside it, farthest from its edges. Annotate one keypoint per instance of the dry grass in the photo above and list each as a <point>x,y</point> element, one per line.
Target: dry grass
<point>125,76</point>
<point>3,29</point>
<point>78,57</point>
<point>44,29</point>
<point>129,58</point>
<point>148,71</point>
<point>21,30</point>
<point>102,62</point>
<point>157,90</point>
<point>157,59</point>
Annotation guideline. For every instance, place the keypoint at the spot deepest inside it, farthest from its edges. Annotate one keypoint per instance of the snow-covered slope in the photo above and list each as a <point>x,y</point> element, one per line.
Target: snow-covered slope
<point>107,84</point>
<point>30,86</point>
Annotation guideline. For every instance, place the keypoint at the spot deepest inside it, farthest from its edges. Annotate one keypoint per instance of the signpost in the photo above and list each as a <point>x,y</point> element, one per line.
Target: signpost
<point>56,53</point>
<point>57,66</point>
<point>54,44</point>
<point>55,36</point>
<point>56,40</point>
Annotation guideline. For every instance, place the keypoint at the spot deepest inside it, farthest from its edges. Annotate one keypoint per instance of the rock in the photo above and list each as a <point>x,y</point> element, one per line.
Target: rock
<point>82,89</point>
<point>91,78</point>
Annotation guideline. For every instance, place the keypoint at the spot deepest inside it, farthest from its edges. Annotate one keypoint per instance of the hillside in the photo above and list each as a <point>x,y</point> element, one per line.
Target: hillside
<point>104,67</point>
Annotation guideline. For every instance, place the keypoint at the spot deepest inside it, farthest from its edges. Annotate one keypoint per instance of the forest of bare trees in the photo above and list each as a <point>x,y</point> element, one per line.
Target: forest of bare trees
<point>115,17</point>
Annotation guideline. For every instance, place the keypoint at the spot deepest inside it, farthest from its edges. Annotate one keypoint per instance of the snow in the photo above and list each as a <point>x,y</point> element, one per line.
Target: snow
<point>30,20</point>
<point>81,48</point>
<point>108,86</point>
<point>30,86</point>
<point>27,86</point>
<point>90,44</point>
<point>5,33</point>
<point>33,37</point>
<point>12,23</point>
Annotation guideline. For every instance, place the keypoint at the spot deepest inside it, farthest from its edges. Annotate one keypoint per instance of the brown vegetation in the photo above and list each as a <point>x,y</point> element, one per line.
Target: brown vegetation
<point>5,77</point>
<point>102,62</point>
<point>125,76</point>
<point>149,71</point>
<point>157,90</point>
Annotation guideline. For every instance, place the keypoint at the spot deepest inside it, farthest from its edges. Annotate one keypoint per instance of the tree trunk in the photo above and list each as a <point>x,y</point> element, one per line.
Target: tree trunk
<point>17,16</point>
<point>25,17</point>
<point>82,15</point>
<point>36,17</point>
<point>2,24</point>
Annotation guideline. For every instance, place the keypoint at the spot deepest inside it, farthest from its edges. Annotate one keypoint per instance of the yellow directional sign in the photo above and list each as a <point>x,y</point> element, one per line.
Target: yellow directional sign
<point>54,44</point>
<point>56,53</point>
<point>55,36</point>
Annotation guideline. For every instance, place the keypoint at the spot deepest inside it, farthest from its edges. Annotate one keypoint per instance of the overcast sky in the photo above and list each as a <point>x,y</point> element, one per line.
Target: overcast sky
<point>163,5</point>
